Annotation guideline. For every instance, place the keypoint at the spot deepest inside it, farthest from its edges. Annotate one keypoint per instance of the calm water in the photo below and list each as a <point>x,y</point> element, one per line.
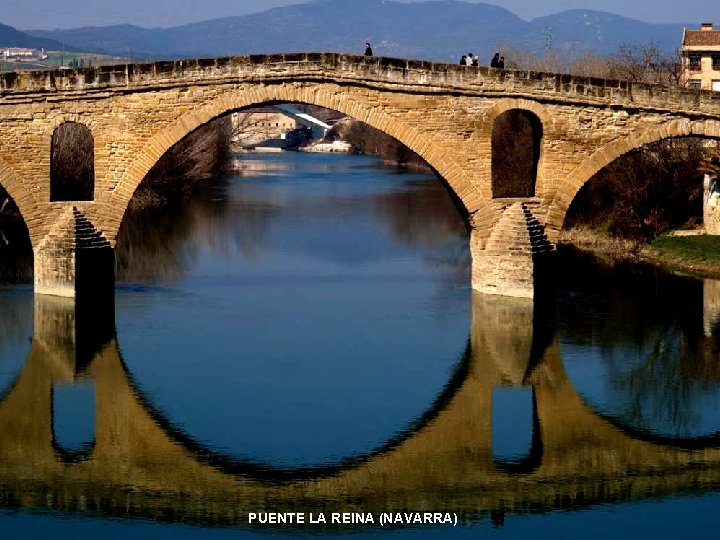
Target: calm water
<point>302,338</point>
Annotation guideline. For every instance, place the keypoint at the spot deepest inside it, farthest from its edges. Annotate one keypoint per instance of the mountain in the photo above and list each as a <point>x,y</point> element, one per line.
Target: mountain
<point>11,37</point>
<point>604,32</point>
<point>440,30</point>
<point>118,39</point>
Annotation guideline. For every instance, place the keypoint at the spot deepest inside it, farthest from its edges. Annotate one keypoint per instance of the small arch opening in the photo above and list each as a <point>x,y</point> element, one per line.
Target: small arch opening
<point>16,255</point>
<point>72,163</point>
<point>516,139</point>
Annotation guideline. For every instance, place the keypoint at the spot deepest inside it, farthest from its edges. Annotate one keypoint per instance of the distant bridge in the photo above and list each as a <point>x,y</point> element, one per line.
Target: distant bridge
<point>140,465</point>
<point>445,113</point>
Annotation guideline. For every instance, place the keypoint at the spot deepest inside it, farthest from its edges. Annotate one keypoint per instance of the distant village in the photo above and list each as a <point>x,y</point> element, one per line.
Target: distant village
<point>283,127</point>
<point>21,54</point>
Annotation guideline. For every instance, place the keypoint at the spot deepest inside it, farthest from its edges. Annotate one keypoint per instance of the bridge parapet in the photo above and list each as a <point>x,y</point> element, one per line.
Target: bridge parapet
<point>323,65</point>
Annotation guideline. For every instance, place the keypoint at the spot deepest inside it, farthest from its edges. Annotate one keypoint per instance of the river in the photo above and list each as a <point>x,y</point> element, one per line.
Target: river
<point>299,342</point>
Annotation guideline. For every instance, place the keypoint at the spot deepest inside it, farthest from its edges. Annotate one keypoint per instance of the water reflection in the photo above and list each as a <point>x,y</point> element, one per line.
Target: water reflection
<point>711,308</point>
<point>323,206</point>
<point>298,307</point>
<point>278,351</point>
<point>444,460</point>
<point>638,349</point>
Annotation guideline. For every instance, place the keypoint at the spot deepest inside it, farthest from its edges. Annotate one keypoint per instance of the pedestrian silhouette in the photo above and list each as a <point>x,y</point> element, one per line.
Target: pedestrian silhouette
<point>495,60</point>
<point>368,49</point>
<point>462,60</point>
<point>501,63</point>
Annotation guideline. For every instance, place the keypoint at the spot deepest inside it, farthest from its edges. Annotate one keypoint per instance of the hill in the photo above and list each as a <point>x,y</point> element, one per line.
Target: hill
<point>441,30</point>
<point>11,37</point>
<point>587,30</point>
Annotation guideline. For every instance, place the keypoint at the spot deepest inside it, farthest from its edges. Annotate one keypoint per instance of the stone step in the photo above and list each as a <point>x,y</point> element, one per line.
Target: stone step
<point>518,231</point>
<point>507,265</point>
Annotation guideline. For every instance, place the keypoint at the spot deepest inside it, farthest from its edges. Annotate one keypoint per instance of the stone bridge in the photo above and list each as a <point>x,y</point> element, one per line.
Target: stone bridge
<point>445,113</point>
<point>140,465</point>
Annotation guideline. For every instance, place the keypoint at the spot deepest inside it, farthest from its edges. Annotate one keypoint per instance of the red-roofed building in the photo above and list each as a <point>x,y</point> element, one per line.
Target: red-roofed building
<point>701,58</point>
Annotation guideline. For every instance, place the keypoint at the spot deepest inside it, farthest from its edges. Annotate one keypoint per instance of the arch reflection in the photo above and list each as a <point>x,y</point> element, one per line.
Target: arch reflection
<point>444,459</point>
<point>641,352</point>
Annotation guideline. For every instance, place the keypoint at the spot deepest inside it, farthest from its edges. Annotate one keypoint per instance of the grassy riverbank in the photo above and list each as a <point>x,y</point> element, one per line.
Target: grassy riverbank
<point>697,255</point>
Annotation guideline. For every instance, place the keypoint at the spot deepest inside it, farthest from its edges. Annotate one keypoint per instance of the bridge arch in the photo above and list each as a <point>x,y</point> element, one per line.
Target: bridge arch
<point>428,146</point>
<point>11,183</point>
<point>100,138</point>
<point>531,459</point>
<point>601,158</point>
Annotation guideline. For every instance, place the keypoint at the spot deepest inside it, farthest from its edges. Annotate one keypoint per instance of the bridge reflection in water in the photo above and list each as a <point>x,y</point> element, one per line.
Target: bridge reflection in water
<point>139,465</point>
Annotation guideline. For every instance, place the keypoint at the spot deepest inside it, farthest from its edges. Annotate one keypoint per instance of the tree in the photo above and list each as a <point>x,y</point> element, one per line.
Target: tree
<point>643,193</point>
<point>368,140</point>
<point>641,62</point>
<point>644,63</point>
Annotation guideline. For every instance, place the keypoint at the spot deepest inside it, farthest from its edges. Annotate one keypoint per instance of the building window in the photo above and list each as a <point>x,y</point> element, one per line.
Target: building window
<point>716,62</point>
<point>694,84</point>
<point>694,62</point>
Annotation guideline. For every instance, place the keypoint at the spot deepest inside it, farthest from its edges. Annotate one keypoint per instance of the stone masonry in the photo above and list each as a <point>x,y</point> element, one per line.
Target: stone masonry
<point>516,256</point>
<point>445,113</point>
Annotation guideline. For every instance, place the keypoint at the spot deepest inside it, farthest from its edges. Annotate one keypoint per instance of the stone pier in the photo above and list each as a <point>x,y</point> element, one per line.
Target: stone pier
<point>74,260</point>
<point>517,257</point>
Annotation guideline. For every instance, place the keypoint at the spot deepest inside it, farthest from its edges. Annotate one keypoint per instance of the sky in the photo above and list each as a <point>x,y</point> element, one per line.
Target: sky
<point>51,14</point>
